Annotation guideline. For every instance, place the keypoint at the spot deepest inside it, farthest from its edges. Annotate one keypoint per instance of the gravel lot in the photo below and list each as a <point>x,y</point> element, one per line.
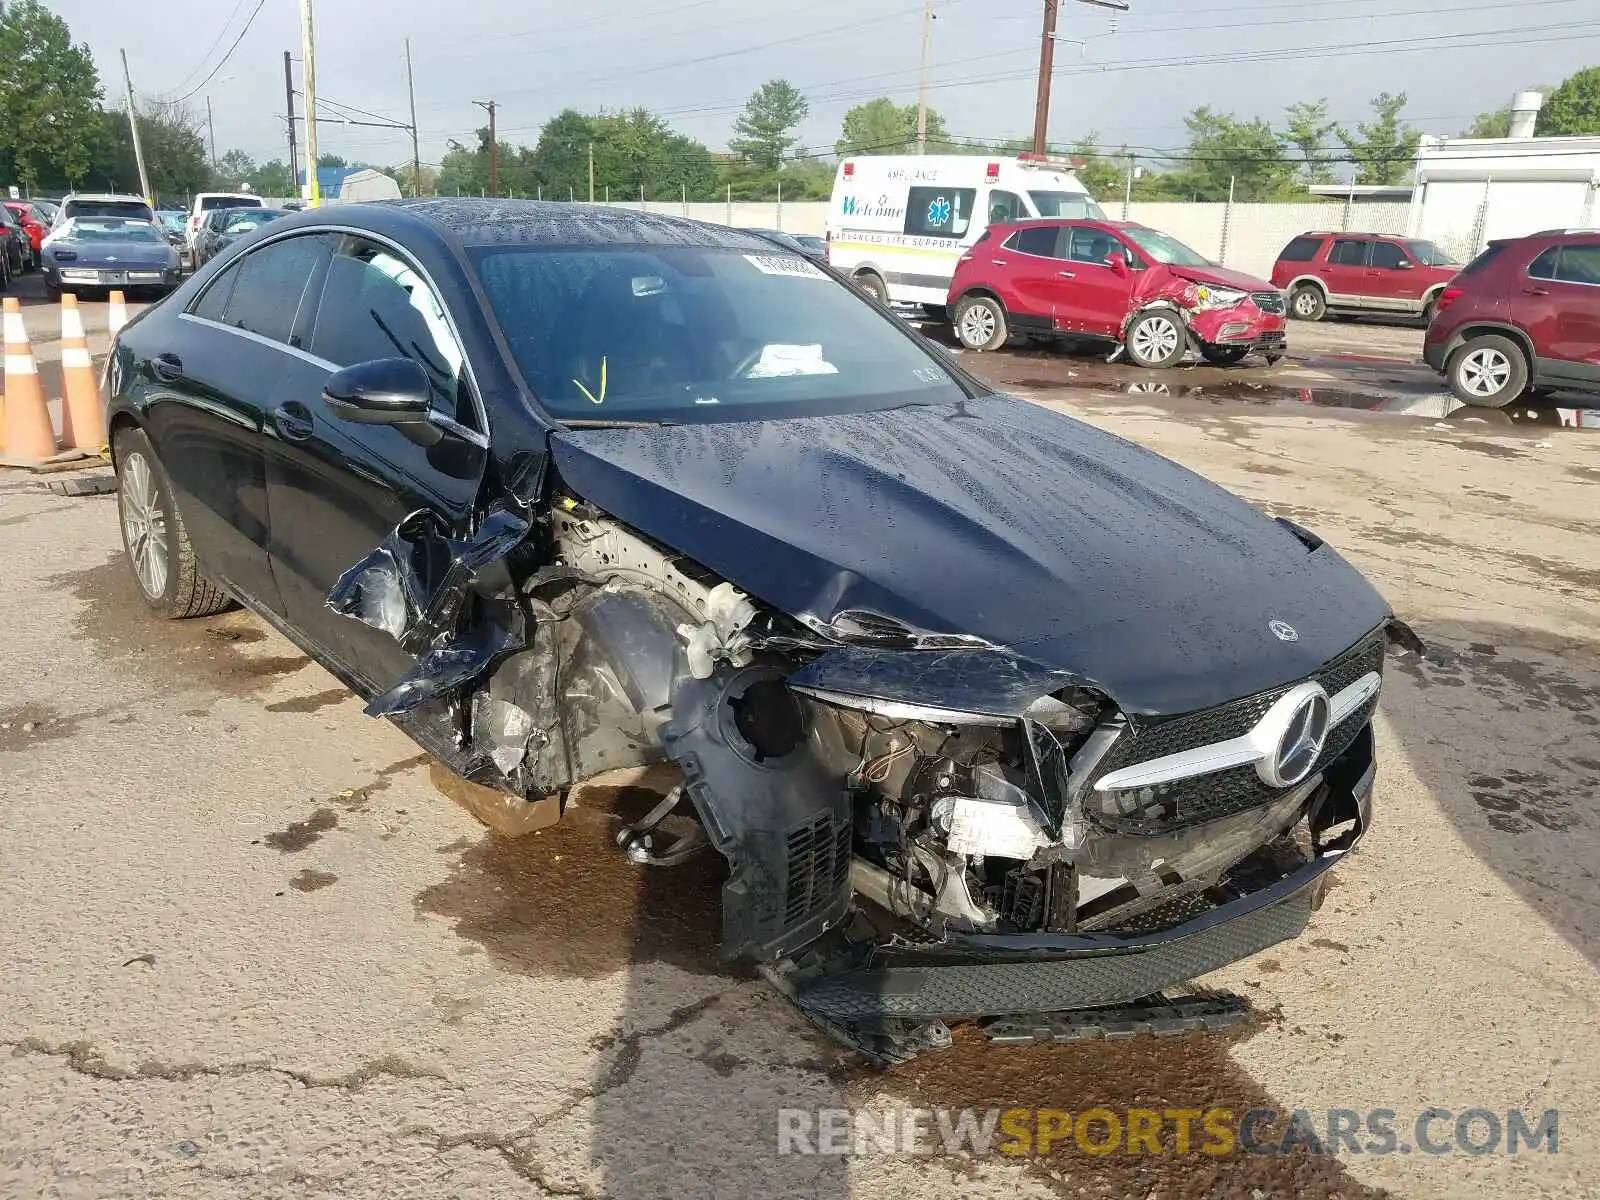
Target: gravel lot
<point>254,951</point>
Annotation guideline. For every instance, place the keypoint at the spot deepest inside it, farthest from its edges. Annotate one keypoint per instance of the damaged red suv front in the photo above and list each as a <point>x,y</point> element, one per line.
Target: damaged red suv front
<point>1146,292</point>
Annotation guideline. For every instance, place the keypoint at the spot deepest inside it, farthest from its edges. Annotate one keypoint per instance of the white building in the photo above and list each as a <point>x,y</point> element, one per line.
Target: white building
<point>1470,191</point>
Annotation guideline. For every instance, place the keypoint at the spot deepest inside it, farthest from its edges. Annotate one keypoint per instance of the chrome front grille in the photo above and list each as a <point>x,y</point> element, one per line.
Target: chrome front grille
<point>1183,803</point>
<point>1269,302</point>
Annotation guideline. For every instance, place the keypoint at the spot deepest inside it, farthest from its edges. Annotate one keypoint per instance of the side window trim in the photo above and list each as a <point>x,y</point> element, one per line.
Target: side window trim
<point>466,375</point>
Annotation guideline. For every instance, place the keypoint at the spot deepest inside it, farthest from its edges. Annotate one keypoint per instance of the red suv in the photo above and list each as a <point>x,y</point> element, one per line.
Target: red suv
<point>1361,272</point>
<point>1524,314</point>
<point>1126,283</point>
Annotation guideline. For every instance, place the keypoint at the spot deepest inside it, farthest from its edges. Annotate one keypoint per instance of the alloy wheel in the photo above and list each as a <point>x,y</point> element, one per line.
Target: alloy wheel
<point>1484,372</point>
<point>977,325</point>
<point>1155,339</point>
<point>144,524</point>
<point>1305,304</point>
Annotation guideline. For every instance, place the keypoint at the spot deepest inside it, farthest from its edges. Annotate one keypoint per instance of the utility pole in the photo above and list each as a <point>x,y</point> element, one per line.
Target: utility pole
<point>308,68</point>
<point>591,172</point>
<point>1047,63</point>
<point>133,124</point>
<point>416,154</point>
<point>211,133</point>
<point>922,77</point>
<point>494,148</point>
<point>288,97</point>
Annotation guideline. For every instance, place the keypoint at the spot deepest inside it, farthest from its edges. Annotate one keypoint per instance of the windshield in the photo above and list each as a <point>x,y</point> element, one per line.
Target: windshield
<point>173,220</point>
<point>695,333</point>
<point>1165,249</point>
<point>110,208</point>
<point>244,220</point>
<point>1429,255</point>
<point>111,231</point>
<point>1075,205</point>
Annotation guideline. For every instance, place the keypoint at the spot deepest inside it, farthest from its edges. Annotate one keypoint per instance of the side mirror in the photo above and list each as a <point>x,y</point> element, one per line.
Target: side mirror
<point>1118,262</point>
<point>384,391</point>
<point>1405,264</point>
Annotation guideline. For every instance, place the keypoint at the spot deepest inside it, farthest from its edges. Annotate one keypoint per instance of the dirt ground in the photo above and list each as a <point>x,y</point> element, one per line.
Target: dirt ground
<point>253,951</point>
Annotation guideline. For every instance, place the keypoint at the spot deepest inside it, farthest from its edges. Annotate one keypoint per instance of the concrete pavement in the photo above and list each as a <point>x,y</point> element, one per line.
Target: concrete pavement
<point>253,950</point>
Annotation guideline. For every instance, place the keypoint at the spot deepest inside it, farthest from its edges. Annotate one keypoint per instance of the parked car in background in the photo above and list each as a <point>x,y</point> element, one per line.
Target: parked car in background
<point>209,202</point>
<point>109,252</point>
<point>46,208</point>
<point>897,223</point>
<point>1127,283</point>
<point>174,222</point>
<point>18,246</point>
<point>814,246</point>
<point>564,497</point>
<point>222,226</point>
<point>34,223</point>
<point>789,242</point>
<point>1361,273</point>
<point>102,204</point>
<point>1523,316</point>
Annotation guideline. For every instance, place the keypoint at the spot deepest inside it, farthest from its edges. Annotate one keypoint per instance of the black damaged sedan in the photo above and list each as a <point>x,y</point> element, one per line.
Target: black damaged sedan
<point>993,715</point>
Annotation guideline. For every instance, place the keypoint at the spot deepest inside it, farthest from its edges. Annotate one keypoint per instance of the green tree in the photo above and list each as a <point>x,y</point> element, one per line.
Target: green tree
<point>1105,175</point>
<point>273,178</point>
<point>638,150</point>
<point>1222,149</point>
<point>174,153</point>
<point>1573,108</point>
<point>331,160</point>
<point>883,127</point>
<point>49,98</point>
<point>1306,128</point>
<point>233,168</point>
<point>764,133</point>
<point>1383,150</point>
<point>561,157</point>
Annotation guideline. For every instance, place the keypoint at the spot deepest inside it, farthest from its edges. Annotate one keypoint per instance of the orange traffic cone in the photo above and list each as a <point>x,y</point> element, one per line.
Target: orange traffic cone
<point>116,312</point>
<point>29,436</point>
<point>83,420</point>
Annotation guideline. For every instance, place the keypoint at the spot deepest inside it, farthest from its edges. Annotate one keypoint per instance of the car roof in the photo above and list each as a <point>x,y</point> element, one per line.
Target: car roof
<point>98,196</point>
<point>477,222</point>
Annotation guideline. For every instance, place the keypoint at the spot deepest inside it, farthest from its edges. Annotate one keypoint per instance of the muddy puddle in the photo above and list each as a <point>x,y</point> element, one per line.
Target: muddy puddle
<point>206,652</point>
<point>564,900</point>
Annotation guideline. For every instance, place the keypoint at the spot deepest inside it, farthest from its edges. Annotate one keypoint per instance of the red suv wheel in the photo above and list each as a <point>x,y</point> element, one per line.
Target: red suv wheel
<point>1488,371</point>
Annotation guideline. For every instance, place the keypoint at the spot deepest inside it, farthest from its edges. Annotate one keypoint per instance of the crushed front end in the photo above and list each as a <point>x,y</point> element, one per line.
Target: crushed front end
<point>1233,318</point>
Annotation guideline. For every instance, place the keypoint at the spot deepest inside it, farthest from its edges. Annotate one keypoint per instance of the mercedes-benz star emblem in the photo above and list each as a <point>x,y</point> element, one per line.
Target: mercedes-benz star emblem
<point>1283,631</point>
<point>1291,736</point>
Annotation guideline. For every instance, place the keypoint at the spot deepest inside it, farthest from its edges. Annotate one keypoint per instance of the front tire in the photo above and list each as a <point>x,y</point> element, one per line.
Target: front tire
<point>154,538</point>
<point>1488,371</point>
<point>980,323</point>
<point>1306,303</point>
<point>1157,339</point>
<point>869,282</point>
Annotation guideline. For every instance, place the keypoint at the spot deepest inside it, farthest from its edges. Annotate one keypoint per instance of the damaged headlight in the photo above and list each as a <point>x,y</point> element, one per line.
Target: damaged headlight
<point>1208,297</point>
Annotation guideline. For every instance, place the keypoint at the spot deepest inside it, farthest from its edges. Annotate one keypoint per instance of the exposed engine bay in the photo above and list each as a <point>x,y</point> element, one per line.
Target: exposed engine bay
<point>1039,812</point>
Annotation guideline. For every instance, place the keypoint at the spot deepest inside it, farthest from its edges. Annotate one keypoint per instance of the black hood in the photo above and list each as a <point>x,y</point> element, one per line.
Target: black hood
<point>1078,552</point>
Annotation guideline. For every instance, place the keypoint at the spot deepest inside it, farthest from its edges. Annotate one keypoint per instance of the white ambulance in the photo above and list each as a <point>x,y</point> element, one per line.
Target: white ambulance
<point>898,223</point>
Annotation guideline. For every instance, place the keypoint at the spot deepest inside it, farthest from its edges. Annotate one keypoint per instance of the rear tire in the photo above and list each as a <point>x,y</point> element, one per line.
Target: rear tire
<point>980,323</point>
<point>154,538</point>
<point>1157,339</point>
<point>1306,303</point>
<point>1488,371</point>
<point>873,285</point>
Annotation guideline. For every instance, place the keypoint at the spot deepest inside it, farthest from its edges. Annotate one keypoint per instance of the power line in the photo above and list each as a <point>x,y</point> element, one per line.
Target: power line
<point>217,41</point>
<point>223,60</point>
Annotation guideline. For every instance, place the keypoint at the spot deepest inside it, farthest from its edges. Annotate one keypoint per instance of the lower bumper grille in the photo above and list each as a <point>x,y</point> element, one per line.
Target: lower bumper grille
<point>1195,801</point>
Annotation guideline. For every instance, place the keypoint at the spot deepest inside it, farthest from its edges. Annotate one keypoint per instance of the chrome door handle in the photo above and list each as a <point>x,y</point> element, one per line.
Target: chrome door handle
<point>1067,274</point>
<point>998,262</point>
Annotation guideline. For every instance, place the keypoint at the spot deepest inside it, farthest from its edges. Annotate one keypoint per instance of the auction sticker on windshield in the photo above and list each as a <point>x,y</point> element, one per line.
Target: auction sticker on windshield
<point>778,264</point>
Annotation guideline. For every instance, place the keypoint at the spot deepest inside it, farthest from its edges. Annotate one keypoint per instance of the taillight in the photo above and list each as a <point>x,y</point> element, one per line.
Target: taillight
<point>1448,297</point>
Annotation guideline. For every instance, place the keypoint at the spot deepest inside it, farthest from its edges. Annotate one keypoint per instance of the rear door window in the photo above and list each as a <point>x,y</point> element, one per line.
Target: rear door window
<point>939,212</point>
<point>1579,263</point>
<point>1348,252</point>
<point>1041,241</point>
<point>271,280</point>
<point>1302,249</point>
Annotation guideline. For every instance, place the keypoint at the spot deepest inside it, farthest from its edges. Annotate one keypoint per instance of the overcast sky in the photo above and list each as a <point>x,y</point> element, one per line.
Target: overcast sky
<point>697,60</point>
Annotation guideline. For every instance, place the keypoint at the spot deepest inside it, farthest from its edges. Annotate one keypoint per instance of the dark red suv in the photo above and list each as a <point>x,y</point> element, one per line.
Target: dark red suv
<point>1123,282</point>
<point>1361,272</point>
<point>1524,315</point>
